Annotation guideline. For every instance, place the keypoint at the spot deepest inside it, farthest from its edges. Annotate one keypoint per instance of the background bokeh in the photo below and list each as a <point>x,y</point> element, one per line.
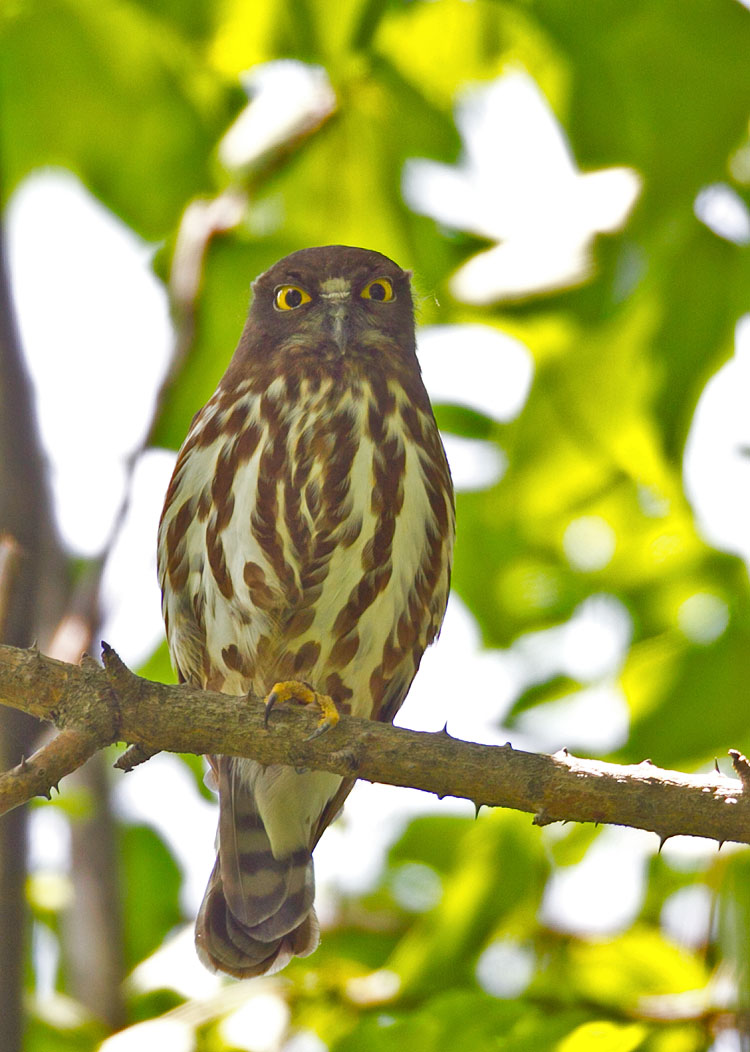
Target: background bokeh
<point>570,184</point>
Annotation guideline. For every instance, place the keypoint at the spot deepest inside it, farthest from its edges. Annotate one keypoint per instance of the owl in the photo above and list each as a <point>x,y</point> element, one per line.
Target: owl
<point>304,554</point>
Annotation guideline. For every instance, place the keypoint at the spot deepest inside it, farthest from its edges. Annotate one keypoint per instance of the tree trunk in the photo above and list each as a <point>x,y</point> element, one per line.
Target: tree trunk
<point>34,592</point>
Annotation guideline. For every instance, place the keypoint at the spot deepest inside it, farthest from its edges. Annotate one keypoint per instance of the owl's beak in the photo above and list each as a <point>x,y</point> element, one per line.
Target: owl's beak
<point>340,318</point>
<point>338,310</point>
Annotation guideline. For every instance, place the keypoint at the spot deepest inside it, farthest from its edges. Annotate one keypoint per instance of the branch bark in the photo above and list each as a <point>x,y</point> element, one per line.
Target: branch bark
<point>41,773</point>
<point>113,704</point>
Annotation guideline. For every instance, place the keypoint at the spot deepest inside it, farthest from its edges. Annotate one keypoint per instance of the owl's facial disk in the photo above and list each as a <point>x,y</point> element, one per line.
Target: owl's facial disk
<point>335,307</point>
<point>334,300</point>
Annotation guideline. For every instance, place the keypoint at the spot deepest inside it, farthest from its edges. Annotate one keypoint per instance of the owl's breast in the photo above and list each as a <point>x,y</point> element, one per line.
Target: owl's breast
<point>325,550</point>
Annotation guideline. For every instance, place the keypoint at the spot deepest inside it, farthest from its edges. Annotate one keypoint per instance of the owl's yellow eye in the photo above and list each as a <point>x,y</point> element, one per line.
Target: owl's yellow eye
<point>289,297</point>
<point>380,289</point>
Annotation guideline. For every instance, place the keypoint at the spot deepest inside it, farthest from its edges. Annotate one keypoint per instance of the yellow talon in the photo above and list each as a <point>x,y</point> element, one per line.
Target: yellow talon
<point>293,690</point>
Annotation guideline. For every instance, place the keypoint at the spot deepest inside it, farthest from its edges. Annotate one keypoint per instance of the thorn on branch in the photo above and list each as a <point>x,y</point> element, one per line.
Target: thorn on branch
<point>663,840</point>
<point>41,773</point>
<point>117,671</point>
<point>133,756</point>
<point>716,765</point>
<point>741,765</point>
<point>122,682</point>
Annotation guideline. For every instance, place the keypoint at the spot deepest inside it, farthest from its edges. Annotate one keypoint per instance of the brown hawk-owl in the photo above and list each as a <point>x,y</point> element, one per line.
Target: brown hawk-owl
<point>304,552</point>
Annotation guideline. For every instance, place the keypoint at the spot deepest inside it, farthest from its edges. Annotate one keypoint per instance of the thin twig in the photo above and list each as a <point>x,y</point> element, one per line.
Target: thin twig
<point>41,773</point>
<point>10,558</point>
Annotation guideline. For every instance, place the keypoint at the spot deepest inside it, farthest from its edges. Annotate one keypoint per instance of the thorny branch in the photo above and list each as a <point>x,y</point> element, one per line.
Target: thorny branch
<point>94,707</point>
<point>41,773</point>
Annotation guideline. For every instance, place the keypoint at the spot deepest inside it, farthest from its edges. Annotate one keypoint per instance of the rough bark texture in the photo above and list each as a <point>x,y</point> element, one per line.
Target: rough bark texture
<point>116,705</point>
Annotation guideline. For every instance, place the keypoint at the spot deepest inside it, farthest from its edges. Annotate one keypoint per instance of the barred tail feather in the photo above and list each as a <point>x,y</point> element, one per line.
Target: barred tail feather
<point>257,911</point>
<point>224,945</point>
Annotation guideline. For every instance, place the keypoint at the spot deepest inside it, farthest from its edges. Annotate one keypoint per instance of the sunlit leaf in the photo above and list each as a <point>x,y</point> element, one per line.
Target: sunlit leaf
<point>618,972</point>
<point>603,1036</point>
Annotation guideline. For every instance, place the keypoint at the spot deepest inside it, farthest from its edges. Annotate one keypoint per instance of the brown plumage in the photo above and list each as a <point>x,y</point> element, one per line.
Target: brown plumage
<point>306,535</point>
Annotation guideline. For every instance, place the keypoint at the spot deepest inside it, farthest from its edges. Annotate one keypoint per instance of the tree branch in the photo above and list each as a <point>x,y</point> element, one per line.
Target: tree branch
<point>113,704</point>
<point>41,773</point>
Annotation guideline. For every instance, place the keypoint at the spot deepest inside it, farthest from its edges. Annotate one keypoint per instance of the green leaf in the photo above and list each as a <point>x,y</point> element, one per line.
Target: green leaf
<point>687,1037</point>
<point>645,77</point>
<point>435,840</point>
<point>541,694</point>
<point>463,44</point>
<point>672,683</point>
<point>481,895</point>
<point>457,1019</point>
<point>64,1033</point>
<point>460,420</point>
<point>151,889</point>
<point>193,19</point>
<point>472,1020</point>
<point>197,767</point>
<point>159,666</point>
<point>571,842</point>
<point>147,112</point>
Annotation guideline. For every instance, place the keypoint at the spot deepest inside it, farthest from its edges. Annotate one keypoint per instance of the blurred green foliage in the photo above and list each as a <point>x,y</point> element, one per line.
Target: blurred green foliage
<point>134,96</point>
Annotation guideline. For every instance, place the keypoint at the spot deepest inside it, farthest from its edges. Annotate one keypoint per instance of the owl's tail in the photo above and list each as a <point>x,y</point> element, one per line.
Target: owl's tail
<point>257,912</point>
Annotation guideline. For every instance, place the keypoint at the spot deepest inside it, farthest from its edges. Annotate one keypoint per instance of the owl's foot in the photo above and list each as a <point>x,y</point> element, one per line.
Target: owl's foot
<point>293,690</point>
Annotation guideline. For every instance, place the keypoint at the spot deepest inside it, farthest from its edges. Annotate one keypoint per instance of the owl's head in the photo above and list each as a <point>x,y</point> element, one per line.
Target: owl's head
<point>332,302</point>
